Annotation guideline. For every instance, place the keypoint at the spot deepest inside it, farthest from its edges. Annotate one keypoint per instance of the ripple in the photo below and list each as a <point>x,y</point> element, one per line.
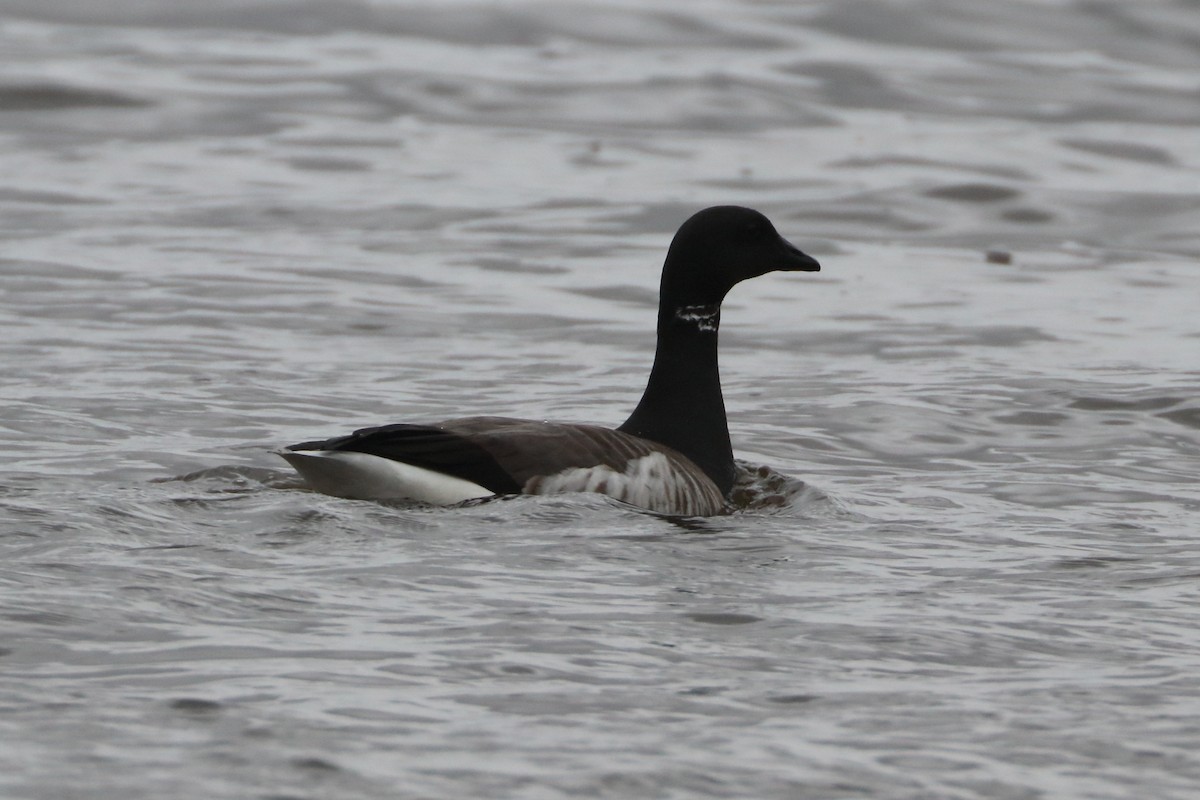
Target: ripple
<point>974,193</point>
<point>1122,404</point>
<point>51,97</point>
<point>1130,151</point>
<point>724,618</point>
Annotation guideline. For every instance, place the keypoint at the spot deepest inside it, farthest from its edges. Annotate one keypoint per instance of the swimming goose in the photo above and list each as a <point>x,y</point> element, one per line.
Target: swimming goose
<point>672,455</point>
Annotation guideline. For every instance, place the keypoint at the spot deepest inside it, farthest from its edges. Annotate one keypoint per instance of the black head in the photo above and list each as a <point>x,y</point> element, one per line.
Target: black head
<point>720,246</point>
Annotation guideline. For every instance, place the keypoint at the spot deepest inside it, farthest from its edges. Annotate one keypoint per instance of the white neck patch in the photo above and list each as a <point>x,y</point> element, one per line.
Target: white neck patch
<point>705,318</point>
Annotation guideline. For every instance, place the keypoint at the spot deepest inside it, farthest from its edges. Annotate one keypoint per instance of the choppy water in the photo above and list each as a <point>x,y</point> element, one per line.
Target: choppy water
<point>229,226</point>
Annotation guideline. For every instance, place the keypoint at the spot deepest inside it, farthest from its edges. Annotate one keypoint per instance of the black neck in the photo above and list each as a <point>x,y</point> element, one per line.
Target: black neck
<point>682,406</point>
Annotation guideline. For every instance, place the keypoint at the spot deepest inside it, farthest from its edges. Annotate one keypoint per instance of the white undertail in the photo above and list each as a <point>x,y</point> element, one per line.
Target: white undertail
<point>361,476</point>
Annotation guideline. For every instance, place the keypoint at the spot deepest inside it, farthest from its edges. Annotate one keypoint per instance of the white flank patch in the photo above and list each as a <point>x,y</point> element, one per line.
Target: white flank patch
<point>361,476</point>
<point>705,317</point>
<point>647,482</point>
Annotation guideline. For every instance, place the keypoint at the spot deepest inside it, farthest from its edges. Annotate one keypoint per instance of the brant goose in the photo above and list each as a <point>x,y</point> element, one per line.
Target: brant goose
<point>671,456</point>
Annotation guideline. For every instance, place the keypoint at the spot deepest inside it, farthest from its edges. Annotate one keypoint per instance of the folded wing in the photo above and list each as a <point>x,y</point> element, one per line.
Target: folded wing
<point>509,456</point>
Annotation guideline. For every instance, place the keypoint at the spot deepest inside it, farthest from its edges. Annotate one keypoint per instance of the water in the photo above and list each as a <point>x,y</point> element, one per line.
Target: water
<point>227,227</point>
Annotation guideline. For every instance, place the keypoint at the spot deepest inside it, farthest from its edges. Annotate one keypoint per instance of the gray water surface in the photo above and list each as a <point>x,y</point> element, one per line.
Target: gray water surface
<point>969,571</point>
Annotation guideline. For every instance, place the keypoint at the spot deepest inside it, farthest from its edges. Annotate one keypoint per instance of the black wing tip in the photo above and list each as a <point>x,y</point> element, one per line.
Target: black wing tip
<point>360,435</point>
<point>427,446</point>
<point>319,444</point>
